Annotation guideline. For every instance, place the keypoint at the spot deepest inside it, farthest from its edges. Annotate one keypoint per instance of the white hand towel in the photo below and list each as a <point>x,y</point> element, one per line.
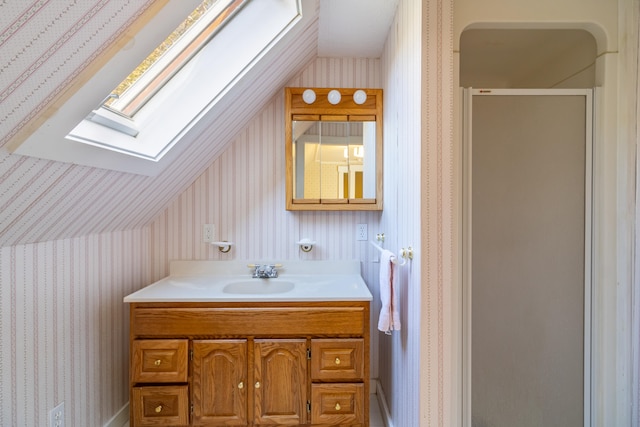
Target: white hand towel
<point>389,315</point>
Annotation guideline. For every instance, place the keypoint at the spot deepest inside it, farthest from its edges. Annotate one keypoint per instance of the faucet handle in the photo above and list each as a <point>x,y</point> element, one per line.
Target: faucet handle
<point>264,271</point>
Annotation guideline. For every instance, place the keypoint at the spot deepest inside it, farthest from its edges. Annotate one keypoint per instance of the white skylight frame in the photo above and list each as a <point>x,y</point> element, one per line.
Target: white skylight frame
<point>177,107</point>
<point>120,103</point>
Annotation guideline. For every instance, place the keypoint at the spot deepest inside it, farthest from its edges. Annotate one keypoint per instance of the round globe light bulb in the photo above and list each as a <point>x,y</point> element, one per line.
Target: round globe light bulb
<point>334,97</point>
<point>359,97</point>
<point>309,96</point>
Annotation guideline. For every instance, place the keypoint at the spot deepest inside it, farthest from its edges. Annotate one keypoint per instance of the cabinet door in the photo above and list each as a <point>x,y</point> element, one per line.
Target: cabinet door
<point>219,382</point>
<point>280,382</point>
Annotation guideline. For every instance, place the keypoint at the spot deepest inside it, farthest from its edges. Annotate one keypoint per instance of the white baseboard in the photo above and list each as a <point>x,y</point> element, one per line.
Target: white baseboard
<point>382,402</point>
<point>119,419</point>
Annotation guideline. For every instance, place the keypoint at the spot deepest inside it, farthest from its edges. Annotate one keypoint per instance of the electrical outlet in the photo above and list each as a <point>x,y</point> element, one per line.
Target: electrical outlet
<point>361,232</point>
<point>208,233</point>
<point>56,416</point>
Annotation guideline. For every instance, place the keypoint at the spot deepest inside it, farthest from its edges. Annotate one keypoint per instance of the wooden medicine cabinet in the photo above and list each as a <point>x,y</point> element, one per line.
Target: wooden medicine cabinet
<point>333,149</point>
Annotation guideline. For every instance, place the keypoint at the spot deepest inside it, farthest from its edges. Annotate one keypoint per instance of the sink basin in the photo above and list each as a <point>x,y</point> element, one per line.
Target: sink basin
<point>258,286</point>
<point>230,281</point>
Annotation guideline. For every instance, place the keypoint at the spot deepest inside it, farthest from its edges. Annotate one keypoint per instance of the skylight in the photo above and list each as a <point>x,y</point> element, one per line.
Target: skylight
<point>167,59</point>
<point>207,58</point>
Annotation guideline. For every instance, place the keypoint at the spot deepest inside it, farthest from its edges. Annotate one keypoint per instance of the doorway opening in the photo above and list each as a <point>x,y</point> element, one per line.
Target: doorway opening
<point>527,58</point>
<point>527,226</point>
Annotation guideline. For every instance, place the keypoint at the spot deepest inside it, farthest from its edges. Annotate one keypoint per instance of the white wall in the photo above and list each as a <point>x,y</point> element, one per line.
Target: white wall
<point>600,17</point>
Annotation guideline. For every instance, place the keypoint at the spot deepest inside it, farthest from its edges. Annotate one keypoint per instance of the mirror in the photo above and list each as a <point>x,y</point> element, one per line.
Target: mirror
<point>333,149</point>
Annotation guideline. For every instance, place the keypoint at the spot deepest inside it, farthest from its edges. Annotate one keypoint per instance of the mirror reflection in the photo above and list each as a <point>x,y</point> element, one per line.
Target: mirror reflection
<point>334,160</point>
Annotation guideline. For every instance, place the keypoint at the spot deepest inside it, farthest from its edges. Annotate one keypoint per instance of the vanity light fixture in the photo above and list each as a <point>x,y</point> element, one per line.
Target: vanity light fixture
<point>309,96</point>
<point>359,97</point>
<point>334,97</point>
<point>306,244</point>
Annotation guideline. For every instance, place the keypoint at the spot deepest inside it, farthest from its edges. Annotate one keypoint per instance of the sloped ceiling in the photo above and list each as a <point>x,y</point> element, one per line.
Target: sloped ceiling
<point>354,28</point>
<point>43,45</point>
<point>46,44</point>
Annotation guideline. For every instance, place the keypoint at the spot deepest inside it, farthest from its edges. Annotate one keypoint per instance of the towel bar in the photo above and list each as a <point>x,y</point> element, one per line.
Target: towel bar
<point>405,254</point>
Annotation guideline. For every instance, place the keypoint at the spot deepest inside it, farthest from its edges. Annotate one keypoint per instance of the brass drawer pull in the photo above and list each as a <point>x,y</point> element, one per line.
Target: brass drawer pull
<point>337,406</point>
<point>337,360</point>
<point>241,385</point>
<point>158,408</point>
<point>257,384</point>
<point>157,362</point>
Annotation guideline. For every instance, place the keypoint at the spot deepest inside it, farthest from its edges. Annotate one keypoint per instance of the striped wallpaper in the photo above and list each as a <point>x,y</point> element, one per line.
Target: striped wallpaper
<point>64,296</point>
<point>439,196</point>
<point>63,326</point>
<point>416,374</point>
<point>46,44</point>
<point>65,262</point>
<point>242,193</point>
<point>400,354</point>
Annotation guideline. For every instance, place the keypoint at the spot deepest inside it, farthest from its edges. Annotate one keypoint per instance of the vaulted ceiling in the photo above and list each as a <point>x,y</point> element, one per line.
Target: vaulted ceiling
<point>45,45</point>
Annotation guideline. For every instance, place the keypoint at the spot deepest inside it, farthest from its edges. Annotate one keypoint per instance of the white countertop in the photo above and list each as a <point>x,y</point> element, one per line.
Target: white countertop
<point>211,281</point>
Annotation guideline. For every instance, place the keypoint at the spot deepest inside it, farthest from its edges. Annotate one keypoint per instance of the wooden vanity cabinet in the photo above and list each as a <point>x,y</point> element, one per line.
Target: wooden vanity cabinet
<point>250,364</point>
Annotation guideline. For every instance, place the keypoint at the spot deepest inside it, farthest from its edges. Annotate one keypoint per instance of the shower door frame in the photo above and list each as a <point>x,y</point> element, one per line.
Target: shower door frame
<point>467,115</point>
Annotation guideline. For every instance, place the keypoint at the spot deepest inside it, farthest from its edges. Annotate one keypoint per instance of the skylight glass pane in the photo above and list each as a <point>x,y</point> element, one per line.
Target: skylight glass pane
<point>174,52</point>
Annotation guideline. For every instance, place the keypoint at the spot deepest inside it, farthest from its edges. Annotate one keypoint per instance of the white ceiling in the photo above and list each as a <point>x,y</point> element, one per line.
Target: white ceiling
<point>354,28</point>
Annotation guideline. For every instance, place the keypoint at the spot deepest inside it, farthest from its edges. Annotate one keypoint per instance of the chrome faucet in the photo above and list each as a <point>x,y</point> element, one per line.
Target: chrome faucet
<point>265,271</point>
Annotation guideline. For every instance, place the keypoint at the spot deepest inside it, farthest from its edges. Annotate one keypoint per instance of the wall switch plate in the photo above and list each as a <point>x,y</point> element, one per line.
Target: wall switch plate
<point>208,233</point>
<point>56,416</point>
<point>361,232</point>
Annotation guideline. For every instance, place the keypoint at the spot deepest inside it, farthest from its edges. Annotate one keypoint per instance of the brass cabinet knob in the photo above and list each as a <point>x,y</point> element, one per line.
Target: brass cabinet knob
<point>337,406</point>
<point>157,362</point>
<point>158,408</point>
<point>241,385</point>
<point>337,360</point>
<point>257,384</point>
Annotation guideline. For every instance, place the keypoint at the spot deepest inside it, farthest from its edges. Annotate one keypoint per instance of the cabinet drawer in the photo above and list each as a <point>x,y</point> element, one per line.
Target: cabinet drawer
<point>159,361</point>
<point>337,403</point>
<point>161,406</point>
<point>255,321</point>
<point>337,359</point>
